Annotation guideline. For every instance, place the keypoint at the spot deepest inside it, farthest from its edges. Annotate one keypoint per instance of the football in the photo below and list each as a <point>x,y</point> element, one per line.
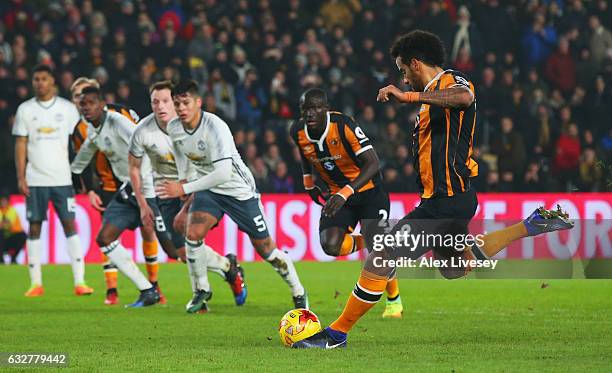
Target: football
<point>298,324</point>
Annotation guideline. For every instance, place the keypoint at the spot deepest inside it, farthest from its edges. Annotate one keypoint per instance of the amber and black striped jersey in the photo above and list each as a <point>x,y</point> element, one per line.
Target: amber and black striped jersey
<point>443,140</point>
<point>108,181</point>
<point>334,155</point>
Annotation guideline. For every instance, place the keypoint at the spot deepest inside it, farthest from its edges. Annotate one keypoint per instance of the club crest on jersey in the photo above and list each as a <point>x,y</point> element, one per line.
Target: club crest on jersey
<point>329,166</point>
<point>107,141</point>
<point>59,117</point>
<point>334,142</point>
<point>308,148</point>
<point>179,142</point>
<point>201,145</point>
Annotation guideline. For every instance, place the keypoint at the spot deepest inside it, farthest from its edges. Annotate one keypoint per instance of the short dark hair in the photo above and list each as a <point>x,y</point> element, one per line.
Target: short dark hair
<point>315,93</point>
<point>158,86</point>
<point>186,87</point>
<point>92,90</point>
<point>42,68</point>
<point>420,45</point>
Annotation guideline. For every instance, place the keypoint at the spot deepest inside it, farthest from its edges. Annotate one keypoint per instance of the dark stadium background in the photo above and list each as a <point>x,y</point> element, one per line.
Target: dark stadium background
<point>542,69</point>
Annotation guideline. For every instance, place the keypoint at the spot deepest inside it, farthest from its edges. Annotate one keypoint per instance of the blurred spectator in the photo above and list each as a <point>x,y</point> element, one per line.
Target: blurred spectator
<point>538,41</point>
<point>223,92</point>
<point>12,237</point>
<point>590,170</point>
<point>339,13</point>
<point>311,46</point>
<point>261,174</point>
<point>567,156</point>
<point>561,68</point>
<point>250,101</point>
<point>510,150</point>
<point>282,182</point>
<point>466,39</point>
<point>533,181</point>
<point>600,42</point>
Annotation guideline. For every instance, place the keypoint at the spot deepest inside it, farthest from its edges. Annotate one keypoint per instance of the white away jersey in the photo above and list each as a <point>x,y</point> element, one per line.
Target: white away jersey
<point>48,126</point>
<point>113,139</point>
<point>149,139</point>
<point>210,142</point>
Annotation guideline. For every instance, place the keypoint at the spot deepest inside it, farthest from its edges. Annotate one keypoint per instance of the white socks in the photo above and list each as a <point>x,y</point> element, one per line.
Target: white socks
<point>197,257</point>
<point>76,259</point>
<point>34,261</point>
<point>120,257</point>
<point>215,262</point>
<point>283,264</point>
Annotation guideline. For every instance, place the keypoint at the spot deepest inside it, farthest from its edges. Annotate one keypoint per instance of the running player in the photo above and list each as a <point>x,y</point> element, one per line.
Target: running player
<point>110,133</point>
<point>334,145</point>
<point>442,144</point>
<point>224,185</point>
<point>100,195</point>
<point>42,128</point>
<point>151,138</point>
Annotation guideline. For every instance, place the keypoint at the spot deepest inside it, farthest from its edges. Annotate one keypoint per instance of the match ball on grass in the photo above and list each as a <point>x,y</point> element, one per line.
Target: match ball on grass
<point>298,324</point>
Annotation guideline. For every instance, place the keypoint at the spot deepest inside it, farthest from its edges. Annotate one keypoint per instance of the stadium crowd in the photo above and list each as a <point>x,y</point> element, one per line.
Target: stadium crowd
<point>542,69</point>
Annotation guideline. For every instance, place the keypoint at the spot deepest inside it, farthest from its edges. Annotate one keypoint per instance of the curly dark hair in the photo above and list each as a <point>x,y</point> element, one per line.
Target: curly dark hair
<point>421,45</point>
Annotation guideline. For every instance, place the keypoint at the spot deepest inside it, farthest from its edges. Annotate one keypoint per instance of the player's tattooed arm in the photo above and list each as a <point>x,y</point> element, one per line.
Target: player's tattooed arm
<point>453,97</point>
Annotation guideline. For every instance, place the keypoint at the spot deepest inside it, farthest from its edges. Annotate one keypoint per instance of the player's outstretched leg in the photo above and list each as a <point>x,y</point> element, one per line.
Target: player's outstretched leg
<point>539,222</point>
<point>283,265</point>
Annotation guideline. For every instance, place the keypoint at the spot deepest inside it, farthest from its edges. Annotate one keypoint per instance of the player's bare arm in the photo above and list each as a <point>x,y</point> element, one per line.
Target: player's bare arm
<point>221,174</point>
<point>21,149</point>
<point>146,213</point>
<point>180,220</point>
<point>371,165</point>
<point>315,193</point>
<point>453,98</point>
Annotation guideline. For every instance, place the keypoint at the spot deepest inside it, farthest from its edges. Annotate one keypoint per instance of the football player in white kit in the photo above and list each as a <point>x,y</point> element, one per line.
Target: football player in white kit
<point>224,185</point>
<point>110,133</point>
<point>42,129</point>
<point>152,140</point>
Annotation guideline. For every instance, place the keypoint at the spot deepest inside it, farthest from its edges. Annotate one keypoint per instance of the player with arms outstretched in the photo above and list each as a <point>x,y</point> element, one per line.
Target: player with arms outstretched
<point>442,144</point>
<point>334,145</point>
<point>42,130</point>
<point>224,185</point>
<point>151,139</point>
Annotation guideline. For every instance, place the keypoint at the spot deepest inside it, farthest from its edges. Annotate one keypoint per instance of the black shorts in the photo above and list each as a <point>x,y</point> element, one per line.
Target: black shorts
<point>444,215</point>
<point>373,204</point>
<point>106,197</point>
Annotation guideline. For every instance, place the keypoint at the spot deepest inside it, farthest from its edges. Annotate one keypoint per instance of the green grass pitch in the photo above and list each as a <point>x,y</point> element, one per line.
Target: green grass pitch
<point>448,326</point>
